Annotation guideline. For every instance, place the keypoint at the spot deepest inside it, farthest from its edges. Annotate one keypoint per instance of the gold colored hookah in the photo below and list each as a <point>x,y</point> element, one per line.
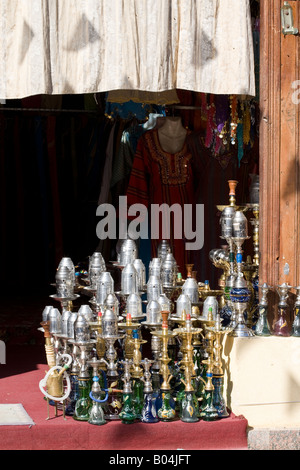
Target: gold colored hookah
<point>218,373</point>
<point>54,378</point>
<point>251,269</point>
<point>189,403</point>
<point>166,412</point>
<point>208,411</point>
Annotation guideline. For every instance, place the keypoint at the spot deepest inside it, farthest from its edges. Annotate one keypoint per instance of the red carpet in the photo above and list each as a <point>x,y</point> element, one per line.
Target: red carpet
<point>25,367</point>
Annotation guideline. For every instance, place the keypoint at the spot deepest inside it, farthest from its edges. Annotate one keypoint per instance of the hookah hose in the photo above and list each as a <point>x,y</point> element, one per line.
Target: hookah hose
<point>43,382</point>
<point>105,389</point>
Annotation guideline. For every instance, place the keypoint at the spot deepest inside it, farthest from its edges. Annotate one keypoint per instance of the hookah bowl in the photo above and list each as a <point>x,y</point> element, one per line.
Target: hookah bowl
<point>112,303</point>
<point>66,261</point>
<point>210,302</point>
<point>46,311</point>
<point>154,288</point>
<point>86,312</point>
<point>129,280</point>
<point>95,269</point>
<point>105,286</point>
<point>296,322</point>
<point>134,306</point>
<point>164,302</point>
<point>155,267</point>
<point>262,327</point>
<point>281,326</point>
<point>190,288</point>
<point>141,274</point>
<point>64,282</point>
<point>169,271</point>
<point>128,252</point>
<point>153,313</point>
<point>183,304</point>
<point>226,221</point>
<point>163,249</point>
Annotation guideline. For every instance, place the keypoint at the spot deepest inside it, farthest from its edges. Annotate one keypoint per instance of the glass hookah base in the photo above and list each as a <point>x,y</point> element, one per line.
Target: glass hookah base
<point>80,418</point>
<point>97,423</point>
<point>112,417</point>
<point>241,331</point>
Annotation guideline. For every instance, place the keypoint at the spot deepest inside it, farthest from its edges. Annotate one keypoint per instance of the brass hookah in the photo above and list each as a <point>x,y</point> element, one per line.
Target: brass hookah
<point>137,373</point>
<point>189,408</point>
<point>251,269</point>
<point>54,378</point>
<point>208,410</point>
<point>218,373</point>
<point>166,412</point>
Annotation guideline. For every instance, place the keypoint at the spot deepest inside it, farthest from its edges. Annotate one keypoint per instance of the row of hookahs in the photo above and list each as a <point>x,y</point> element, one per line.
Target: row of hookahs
<point>151,350</point>
<point>97,357</point>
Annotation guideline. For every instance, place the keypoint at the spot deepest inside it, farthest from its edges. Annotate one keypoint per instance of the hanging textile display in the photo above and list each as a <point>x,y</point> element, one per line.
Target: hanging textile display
<point>52,47</point>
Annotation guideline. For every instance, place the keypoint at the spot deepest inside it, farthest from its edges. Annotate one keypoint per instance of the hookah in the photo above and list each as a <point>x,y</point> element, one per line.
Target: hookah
<point>54,378</point>
<point>255,266</point>
<point>110,334</point>
<point>262,327</point>
<point>96,415</point>
<point>127,414</point>
<point>208,410</point>
<point>85,344</point>
<point>137,374</point>
<point>148,413</point>
<point>73,373</point>
<point>189,409</point>
<point>166,412</point>
<point>218,374</point>
<point>296,322</point>
<point>240,294</point>
<point>281,326</point>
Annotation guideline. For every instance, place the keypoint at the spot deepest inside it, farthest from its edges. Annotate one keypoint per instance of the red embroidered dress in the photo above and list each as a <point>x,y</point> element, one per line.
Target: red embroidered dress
<point>159,177</point>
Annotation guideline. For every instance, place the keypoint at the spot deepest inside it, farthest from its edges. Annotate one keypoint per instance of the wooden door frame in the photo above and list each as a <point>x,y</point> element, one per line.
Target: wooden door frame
<point>279,148</point>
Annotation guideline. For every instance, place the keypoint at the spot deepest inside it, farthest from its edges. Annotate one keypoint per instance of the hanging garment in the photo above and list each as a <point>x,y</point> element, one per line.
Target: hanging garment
<point>159,177</point>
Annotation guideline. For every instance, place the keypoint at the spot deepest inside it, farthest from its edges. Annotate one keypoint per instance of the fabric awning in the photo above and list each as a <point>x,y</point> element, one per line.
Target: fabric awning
<point>88,46</point>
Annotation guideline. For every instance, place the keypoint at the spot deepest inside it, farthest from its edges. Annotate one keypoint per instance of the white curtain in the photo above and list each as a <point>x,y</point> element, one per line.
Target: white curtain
<point>87,46</point>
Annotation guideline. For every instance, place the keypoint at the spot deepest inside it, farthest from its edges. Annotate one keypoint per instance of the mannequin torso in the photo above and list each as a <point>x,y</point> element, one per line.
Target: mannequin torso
<point>172,135</point>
